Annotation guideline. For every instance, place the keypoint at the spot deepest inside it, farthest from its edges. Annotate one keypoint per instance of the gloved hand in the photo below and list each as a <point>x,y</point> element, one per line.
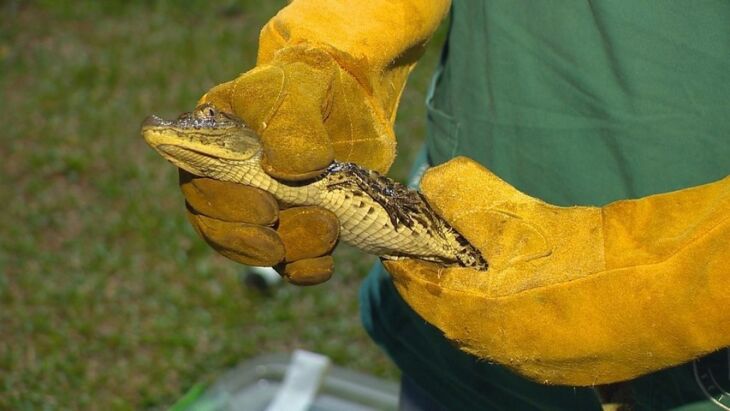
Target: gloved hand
<point>326,86</point>
<point>577,295</point>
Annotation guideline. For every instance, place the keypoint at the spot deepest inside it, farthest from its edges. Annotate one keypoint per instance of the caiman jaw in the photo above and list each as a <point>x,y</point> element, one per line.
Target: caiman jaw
<point>191,161</point>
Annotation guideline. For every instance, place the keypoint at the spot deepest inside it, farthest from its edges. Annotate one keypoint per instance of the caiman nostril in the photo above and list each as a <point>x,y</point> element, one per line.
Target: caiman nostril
<point>154,121</point>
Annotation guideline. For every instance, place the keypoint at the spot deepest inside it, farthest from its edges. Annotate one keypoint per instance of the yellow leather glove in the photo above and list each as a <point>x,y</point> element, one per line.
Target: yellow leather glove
<point>577,295</point>
<point>326,86</point>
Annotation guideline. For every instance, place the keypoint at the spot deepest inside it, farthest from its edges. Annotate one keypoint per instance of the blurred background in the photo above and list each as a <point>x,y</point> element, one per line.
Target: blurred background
<point>108,298</point>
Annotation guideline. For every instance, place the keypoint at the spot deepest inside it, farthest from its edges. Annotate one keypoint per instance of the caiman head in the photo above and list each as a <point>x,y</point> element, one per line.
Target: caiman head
<point>205,142</point>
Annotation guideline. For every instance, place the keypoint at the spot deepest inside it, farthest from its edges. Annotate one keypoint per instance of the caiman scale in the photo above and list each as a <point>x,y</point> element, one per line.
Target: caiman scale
<point>377,215</point>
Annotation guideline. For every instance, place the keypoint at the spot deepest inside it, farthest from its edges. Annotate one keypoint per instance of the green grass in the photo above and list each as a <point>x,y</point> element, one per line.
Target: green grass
<point>108,299</point>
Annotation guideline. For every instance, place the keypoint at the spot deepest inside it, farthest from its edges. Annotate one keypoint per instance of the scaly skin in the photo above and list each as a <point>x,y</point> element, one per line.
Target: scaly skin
<point>376,214</point>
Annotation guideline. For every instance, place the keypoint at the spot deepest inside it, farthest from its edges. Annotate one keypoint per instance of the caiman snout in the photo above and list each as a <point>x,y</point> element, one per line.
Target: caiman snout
<point>154,121</point>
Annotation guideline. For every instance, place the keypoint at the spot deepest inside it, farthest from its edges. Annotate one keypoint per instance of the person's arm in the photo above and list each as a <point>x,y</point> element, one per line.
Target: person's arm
<point>577,295</point>
<point>326,86</point>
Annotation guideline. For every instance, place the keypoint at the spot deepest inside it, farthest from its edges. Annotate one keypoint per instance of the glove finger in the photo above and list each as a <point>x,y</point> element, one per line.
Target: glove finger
<point>219,96</point>
<point>309,271</point>
<point>256,95</point>
<point>228,201</point>
<point>244,243</point>
<point>450,188</point>
<point>307,232</point>
<point>286,103</point>
<point>516,233</point>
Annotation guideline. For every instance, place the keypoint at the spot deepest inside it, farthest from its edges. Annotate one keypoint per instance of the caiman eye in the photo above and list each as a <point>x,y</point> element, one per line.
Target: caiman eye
<point>210,111</point>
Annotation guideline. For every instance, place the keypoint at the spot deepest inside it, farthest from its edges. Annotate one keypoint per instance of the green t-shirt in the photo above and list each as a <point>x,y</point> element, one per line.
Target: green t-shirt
<point>572,102</point>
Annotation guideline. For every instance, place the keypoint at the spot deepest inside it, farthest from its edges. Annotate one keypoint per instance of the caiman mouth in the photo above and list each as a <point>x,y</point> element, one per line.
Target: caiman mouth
<point>192,161</point>
<point>173,150</point>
